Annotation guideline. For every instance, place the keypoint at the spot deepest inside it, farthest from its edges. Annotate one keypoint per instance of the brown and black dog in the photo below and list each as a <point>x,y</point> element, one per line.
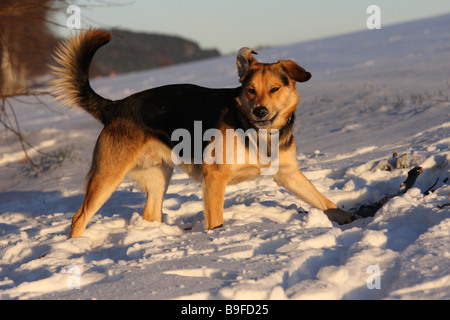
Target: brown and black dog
<point>137,138</point>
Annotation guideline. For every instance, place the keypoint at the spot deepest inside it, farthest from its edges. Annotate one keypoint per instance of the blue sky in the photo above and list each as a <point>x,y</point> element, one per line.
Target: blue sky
<point>231,24</point>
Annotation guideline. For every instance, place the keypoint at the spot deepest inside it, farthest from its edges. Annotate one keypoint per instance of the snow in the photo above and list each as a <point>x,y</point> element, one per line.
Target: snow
<point>372,93</point>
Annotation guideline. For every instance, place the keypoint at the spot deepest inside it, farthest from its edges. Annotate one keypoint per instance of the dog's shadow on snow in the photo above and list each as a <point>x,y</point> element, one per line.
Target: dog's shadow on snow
<point>37,203</point>
<point>18,207</point>
<point>25,205</point>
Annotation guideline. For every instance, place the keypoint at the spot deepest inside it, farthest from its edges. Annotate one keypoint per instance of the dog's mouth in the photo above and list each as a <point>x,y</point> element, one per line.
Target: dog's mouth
<point>263,124</point>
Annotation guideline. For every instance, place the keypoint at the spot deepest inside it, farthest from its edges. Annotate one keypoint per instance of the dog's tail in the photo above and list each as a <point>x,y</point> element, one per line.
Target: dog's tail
<point>72,85</point>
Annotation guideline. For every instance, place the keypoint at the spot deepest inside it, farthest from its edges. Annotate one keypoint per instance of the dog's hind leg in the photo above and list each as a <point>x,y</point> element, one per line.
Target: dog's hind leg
<point>98,191</point>
<point>114,156</point>
<point>154,181</point>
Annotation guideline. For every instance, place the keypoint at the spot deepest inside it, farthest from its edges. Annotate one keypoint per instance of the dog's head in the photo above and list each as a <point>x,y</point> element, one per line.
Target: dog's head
<point>268,96</point>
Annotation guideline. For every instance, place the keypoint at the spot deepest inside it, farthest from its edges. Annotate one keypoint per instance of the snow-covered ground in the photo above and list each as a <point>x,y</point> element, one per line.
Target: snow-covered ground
<point>372,93</point>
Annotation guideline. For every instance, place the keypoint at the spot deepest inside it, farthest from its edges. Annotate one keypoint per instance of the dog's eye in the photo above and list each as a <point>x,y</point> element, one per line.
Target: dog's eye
<point>275,89</point>
<point>251,91</point>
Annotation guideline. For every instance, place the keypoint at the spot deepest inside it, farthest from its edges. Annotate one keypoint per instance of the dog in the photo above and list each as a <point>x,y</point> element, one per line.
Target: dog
<point>137,136</point>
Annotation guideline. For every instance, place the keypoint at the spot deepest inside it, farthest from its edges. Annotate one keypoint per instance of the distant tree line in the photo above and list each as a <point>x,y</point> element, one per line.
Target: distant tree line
<point>133,51</point>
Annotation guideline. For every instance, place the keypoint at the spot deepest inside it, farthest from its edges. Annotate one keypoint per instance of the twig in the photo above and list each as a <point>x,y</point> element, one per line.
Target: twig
<point>8,126</point>
<point>13,125</point>
<point>430,188</point>
<point>27,94</point>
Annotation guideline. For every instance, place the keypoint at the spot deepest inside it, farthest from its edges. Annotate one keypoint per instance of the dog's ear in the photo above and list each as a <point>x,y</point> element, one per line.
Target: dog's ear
<point>295,71</point>
<point>244,60</point>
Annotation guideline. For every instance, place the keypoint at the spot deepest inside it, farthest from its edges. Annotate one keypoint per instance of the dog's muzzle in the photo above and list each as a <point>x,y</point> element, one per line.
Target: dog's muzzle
<point>260,112</point>
<point>260,118</point>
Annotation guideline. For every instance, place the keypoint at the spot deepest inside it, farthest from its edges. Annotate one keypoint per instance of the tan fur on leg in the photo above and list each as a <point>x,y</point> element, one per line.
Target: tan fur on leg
<point>214,184</point>
<point>154,181</point>
<point>113,158</point>
<point>290,177</point>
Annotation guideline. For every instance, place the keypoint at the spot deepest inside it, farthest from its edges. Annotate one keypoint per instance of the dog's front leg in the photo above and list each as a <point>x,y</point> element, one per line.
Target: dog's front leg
<point>291,178</point>
<point>214,183</point>
<point>296,183</point>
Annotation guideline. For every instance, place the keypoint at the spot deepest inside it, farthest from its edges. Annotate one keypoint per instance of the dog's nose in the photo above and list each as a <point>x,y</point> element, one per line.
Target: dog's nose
<point>260,112</point>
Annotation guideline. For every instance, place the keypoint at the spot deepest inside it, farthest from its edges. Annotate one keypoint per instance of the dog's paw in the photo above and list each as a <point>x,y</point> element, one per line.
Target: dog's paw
<point>340,216</point>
